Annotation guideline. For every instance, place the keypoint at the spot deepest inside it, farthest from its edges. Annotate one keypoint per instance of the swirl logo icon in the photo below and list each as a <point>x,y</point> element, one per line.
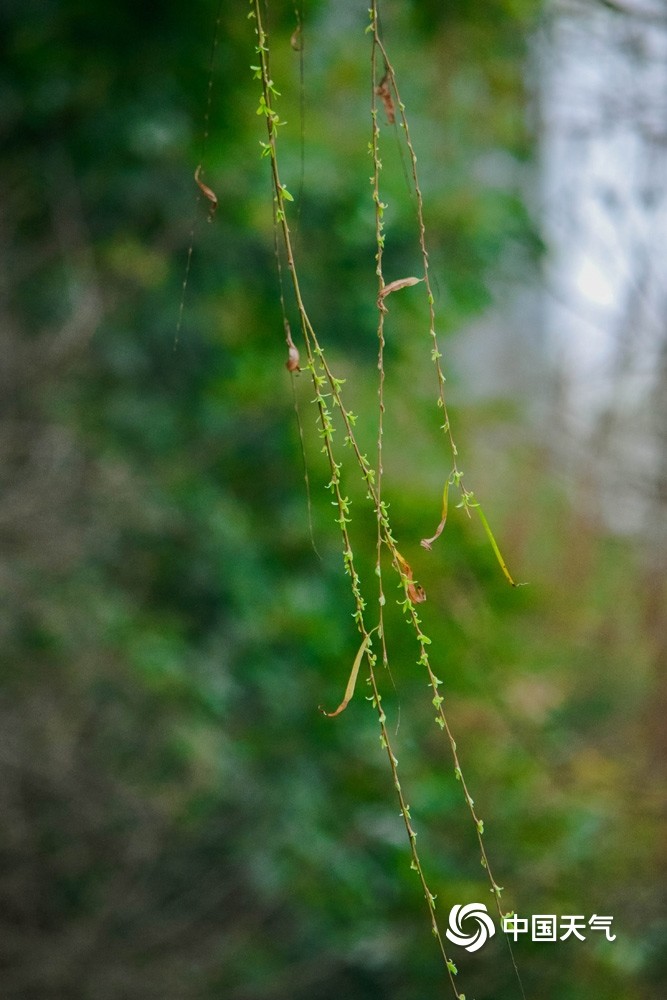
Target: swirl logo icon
<point>472,911</point>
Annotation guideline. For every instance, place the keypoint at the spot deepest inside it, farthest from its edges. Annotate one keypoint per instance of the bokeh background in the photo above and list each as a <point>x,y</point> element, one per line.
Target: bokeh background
<point>177,819</point>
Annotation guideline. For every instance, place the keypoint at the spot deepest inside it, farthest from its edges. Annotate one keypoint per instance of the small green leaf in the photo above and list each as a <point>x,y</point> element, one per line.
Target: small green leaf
<point>351,684</point>
<point>494,544</point>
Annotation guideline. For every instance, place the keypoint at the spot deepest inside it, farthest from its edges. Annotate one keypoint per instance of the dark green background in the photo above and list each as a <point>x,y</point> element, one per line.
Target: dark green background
<point>177,819</point>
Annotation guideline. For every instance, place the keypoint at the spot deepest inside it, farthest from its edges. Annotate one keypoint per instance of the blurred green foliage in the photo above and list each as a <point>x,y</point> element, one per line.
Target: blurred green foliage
<point>178,819</point>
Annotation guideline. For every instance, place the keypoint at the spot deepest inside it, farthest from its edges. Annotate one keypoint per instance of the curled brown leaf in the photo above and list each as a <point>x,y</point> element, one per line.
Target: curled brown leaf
<point>415,591</point>
<point>292,363</point>
<point>207,192</point>
<point>296,40</point>
<point>384,93</point>
<point>395,286</point>
<point>428,542</point>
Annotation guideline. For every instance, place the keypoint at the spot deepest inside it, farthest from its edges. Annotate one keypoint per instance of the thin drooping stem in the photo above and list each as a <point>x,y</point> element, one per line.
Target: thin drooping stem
<point>387,90</point>
<point>410,610</point>
<point>391,85</point>
<point>379,243</point>
<point>455,478</point>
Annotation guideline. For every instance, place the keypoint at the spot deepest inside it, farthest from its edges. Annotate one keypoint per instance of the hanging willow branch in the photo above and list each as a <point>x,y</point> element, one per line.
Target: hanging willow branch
<point>328,396</point>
